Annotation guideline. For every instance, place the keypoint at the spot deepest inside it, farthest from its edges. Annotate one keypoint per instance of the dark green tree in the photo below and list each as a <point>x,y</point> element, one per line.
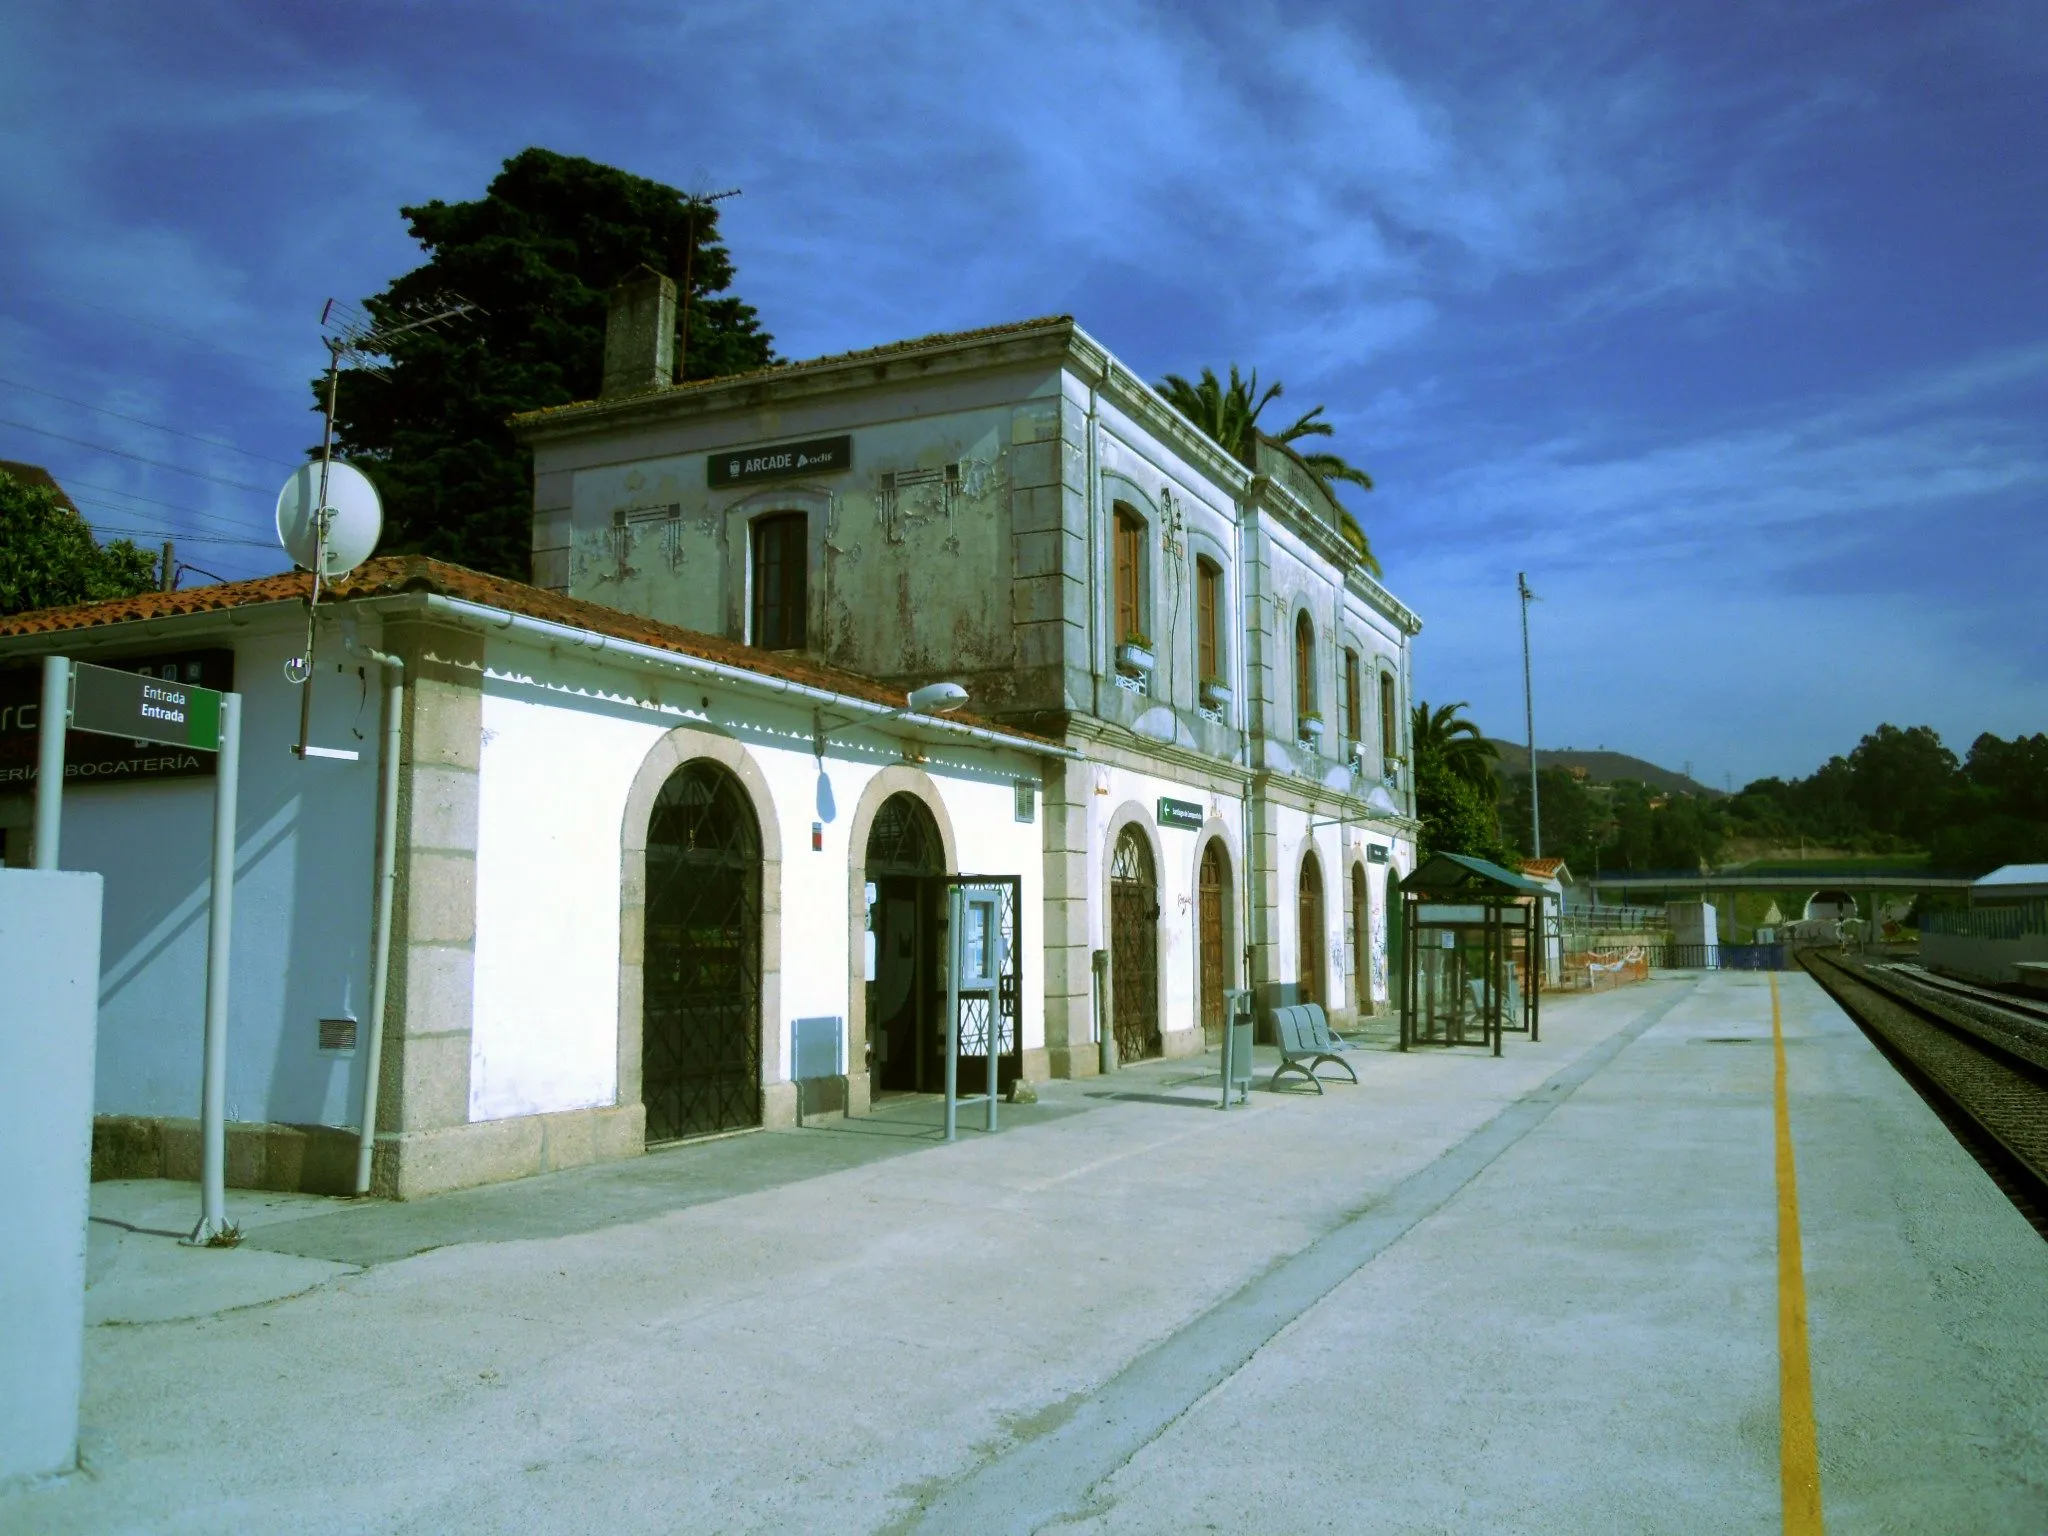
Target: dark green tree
<point>1568,816</point>
<point>537,254</point>
<point>1229,415</point>
<point>1458,815</point>
<point>1902,780</point>
<point>49,558</point>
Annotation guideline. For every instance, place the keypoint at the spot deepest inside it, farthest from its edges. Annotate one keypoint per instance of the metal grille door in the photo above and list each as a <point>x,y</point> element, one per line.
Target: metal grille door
<point>1134,948</point>
<point>1214,894</point>
<point>700,1038</point>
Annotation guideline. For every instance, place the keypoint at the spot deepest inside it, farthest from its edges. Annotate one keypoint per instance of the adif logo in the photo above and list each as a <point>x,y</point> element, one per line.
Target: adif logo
<point>733,468</point>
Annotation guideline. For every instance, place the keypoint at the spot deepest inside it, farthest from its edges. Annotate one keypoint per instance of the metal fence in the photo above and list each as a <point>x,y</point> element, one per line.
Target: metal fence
<point>2016,922</point>
<point>1724,957</point>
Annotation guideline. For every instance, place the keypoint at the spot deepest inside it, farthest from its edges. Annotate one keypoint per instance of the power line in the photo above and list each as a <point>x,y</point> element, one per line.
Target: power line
<point>177,536</point>
<point>176,469</point>
<point>203,341</point>
<point>113,490</point>
<point>141,512</point>
<point>156,426</point>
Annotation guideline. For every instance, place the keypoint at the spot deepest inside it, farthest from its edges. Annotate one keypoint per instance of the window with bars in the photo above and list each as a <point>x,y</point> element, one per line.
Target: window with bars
<point>1208,620</point>
<point>780,559</point>
<point>1130,576</point>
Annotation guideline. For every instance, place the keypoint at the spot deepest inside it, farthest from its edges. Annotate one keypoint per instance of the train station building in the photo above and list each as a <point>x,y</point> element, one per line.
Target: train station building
<point>668,801</point>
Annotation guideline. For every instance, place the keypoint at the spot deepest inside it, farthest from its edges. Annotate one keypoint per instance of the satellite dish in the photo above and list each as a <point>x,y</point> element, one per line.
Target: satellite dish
<point>355,517</point>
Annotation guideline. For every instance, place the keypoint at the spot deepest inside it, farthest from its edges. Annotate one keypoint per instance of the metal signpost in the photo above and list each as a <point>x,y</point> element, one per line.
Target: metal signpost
<point>974,956</point>
<point>141,707</point>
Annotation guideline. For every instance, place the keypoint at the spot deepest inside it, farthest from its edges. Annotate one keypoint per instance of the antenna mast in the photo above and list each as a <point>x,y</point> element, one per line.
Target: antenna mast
<point>1529,717</point>
<point>693,201</point>
<point>349,334</point>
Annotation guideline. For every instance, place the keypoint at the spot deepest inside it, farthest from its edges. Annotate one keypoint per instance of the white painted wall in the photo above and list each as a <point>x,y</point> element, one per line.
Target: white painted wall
<point>564,740</point>
<point>301,942</point>
<point>49,953</point>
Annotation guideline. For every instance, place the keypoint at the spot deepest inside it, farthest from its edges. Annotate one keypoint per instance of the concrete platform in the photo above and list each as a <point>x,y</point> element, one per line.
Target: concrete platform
<point>1536,1293</point>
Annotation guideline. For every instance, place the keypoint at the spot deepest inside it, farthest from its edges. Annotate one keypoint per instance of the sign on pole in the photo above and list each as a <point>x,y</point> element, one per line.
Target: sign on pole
<point>144,708</point>
<point>140,707</point>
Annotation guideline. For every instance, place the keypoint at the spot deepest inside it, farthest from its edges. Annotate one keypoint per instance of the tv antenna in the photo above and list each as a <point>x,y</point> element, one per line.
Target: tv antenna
<point>329,514</point>
<point>692,201</point>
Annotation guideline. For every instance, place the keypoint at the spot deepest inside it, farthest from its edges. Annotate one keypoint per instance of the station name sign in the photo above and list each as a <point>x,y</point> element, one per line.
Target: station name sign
<point>1376,853</point>
<point>819,456</point>
<point>113,740</point>
<point>1180,813</point>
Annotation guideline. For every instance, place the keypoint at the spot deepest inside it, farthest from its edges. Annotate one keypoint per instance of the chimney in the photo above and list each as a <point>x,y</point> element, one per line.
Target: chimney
<point>639,335</point>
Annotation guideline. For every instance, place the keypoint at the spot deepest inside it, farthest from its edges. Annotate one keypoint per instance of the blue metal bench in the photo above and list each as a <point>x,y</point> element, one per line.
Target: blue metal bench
<point>1304,1041</point>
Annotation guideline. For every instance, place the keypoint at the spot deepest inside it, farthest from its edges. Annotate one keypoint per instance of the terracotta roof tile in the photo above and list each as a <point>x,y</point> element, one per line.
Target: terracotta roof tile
<point>389,575</point>
<point>777,370</point>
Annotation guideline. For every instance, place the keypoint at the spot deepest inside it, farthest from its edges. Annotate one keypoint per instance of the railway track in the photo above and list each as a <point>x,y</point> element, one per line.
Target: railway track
<point>1979,1058</point>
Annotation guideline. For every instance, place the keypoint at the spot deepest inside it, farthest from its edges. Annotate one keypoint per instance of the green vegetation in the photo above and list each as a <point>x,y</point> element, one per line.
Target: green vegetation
<point>1454,784</point>
<point>1229,414</point>
<point>49,558</point>
<point>1900,800</point>
<point>537,254</point>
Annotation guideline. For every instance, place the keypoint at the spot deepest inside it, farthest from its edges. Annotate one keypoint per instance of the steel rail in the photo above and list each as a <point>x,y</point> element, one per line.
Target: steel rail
<point>1991,1096</point>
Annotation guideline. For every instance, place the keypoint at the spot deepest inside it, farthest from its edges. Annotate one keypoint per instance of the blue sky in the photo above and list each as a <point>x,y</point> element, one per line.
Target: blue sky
<point>1726,322</point>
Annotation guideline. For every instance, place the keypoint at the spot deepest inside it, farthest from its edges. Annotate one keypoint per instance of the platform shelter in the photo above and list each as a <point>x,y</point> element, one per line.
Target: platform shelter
<point>1471,938</point>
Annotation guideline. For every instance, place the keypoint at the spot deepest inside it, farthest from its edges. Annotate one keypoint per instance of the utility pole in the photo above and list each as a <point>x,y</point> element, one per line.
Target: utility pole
<point>167,573</point>
<point>693,202</point>
<point>1529,716</point>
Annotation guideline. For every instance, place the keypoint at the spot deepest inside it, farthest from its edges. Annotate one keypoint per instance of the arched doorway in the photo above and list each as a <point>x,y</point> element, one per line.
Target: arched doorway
<point>1134,948</point>
<point>700,1021</point>
<point>1213,947</point>
<point>903,1009</point>
<point>1361,941</point>
<point>1310,909</point>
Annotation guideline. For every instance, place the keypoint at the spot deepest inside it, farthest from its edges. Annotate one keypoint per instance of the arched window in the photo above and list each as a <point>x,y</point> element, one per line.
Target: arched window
<point>1209,657</point>
<point>1390,736</point>
<point>781,556</point>
<point>1352,712</point>
<point>1305,709</point>
<point>1132,617</point>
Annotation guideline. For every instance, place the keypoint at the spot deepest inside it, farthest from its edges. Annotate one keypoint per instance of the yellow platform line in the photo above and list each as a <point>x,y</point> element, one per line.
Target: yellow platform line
<point>1798,1448</point>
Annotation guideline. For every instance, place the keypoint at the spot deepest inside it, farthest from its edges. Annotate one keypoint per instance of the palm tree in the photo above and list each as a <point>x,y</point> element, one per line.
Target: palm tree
<point>1457,742</point>
<point>1230,415</point>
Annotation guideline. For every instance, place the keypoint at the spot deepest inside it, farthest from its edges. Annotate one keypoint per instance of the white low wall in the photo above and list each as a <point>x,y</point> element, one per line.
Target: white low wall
<point>1972,959</point>
<point>50,957</point>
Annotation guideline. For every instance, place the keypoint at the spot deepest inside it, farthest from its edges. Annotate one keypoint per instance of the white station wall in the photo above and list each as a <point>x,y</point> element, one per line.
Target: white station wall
<point>558,762</point>
<point>301,939</point>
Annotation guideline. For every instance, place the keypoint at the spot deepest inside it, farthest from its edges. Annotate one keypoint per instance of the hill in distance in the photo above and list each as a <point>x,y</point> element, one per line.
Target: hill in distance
<point>1602,767</point>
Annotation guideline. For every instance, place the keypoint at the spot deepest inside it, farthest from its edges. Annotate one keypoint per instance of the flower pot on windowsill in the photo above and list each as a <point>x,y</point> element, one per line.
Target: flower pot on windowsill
<point>1135,656</point>
<point>1215,694</point>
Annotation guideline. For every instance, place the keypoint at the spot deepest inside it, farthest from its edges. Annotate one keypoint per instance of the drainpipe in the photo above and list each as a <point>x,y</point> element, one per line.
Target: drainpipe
<point>386,890</point>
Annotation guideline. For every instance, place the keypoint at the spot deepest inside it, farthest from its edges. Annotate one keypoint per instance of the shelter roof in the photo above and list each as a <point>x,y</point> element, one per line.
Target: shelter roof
<point>1546,869</point>
<point>1461,875</point>
<point>398,575</point>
